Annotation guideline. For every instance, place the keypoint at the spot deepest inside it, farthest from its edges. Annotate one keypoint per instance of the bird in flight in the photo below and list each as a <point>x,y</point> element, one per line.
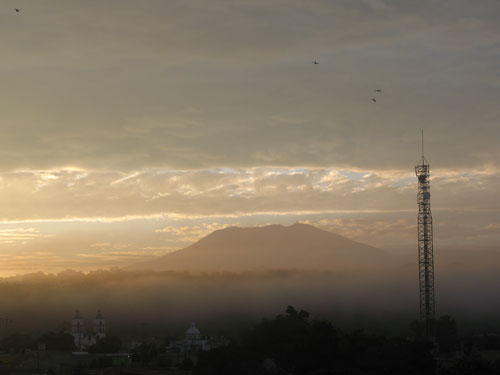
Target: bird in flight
<point>316,63</point>
<point>374,100</point>
<point>17,10</point>
<point>378,90</point>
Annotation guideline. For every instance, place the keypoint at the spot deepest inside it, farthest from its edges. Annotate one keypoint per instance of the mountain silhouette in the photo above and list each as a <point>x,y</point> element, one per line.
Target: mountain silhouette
<point>298,246</point>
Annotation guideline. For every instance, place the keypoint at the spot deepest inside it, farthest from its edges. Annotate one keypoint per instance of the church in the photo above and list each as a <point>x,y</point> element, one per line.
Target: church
<point>84,339</point>
<point>192,342</point>
<point>189,346</point>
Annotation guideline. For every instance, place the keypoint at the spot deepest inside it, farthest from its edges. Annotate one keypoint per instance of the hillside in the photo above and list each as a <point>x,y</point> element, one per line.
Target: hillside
<point>298,246</point>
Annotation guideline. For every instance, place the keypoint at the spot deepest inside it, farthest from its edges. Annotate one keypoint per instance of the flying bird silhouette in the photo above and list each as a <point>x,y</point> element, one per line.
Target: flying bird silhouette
<point>316,63</point>
<point>374,100</point>
<point>378,90</point>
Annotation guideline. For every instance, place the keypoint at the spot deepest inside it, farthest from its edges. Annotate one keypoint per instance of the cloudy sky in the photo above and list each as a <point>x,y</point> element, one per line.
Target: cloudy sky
<point>133,128</point>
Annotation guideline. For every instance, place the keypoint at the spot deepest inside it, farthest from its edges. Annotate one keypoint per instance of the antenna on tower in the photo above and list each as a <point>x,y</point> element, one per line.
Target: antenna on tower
<point>422,143</point>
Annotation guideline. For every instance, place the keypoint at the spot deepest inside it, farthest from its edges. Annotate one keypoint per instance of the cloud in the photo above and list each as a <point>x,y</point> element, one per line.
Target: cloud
<point>14,236</point>
<point>191,234</point>
<point>23,261</point>
<point>371,229</point>
<point>195,85</point>
<point>96,218</point>
<point>165,121</point>
<point>108,196</point>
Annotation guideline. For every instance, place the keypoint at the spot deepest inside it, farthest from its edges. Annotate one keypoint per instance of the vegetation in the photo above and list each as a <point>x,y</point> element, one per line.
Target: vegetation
<point>57,341</point>
<point>146,353</point>
<point>294,344</point>
<point>108,344</point>
<point>19,342</point>
<point>446,331</point>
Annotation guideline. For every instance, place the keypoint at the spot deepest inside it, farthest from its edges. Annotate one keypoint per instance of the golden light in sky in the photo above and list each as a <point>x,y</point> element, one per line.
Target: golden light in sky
<point>132,129</point>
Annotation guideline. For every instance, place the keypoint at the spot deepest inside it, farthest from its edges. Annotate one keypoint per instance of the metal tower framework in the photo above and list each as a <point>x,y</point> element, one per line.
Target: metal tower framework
<point>425,246</point>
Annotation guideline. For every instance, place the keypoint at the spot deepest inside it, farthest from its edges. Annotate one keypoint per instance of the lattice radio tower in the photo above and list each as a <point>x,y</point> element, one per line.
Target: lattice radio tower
<point>425,248</point>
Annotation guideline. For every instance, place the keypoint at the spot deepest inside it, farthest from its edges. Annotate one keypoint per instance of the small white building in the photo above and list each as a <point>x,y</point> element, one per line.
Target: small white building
<point>193,339</point>
<point>192,342</point>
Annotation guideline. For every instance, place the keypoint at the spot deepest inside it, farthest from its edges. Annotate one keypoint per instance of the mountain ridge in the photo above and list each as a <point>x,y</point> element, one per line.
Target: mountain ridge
<point>298,246</point>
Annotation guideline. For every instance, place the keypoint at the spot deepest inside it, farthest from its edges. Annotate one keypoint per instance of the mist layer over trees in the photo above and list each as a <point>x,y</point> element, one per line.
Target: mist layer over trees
<point>146,302</point>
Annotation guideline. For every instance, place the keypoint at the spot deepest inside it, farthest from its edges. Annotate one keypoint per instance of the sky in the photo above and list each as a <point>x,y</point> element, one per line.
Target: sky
<point>134,128</point>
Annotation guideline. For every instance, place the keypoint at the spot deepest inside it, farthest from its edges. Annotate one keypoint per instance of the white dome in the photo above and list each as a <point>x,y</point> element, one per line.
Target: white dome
<point>193,332</point>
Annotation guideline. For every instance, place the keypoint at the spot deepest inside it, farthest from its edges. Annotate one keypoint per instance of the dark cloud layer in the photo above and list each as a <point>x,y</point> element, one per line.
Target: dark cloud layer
<point>188,85</point>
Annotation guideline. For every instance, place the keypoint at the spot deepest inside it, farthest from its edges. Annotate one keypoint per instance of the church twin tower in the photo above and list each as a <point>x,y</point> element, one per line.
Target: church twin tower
<point>82,338</point>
